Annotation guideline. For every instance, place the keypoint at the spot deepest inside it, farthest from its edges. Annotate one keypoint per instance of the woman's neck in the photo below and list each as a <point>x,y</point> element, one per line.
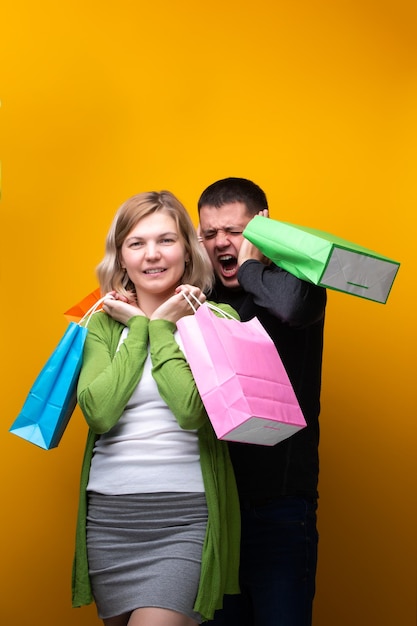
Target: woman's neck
<point>148,303</point>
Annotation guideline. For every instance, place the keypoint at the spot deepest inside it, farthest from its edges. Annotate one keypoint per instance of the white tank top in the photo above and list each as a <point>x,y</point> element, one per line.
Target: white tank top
<point>146,451</point>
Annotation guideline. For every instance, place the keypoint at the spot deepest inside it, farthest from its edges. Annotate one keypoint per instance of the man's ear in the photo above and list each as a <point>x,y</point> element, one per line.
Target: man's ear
<point>199,237</point>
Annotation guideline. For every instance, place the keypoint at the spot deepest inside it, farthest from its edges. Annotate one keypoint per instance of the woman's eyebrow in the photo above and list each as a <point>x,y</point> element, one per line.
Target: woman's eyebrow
<point>140,237</point>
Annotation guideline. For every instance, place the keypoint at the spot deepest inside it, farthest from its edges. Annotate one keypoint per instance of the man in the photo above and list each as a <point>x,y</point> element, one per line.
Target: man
<point>277,485</point>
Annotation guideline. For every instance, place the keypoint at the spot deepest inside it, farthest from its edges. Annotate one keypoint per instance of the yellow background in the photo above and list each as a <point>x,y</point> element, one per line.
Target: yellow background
<point>316,101</point>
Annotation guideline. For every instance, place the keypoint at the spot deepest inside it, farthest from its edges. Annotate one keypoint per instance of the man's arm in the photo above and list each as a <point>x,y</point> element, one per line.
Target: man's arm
<point>293,301</point>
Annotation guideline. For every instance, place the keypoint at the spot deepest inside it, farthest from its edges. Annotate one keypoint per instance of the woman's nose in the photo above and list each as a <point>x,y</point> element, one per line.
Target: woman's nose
<point>152,251</point>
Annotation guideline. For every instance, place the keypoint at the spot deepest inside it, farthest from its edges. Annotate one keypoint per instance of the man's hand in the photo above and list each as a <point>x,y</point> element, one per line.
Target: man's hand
<point>249,251</point>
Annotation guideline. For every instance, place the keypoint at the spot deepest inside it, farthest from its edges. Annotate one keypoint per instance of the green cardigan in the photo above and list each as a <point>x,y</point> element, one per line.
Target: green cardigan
<point>107,381</point>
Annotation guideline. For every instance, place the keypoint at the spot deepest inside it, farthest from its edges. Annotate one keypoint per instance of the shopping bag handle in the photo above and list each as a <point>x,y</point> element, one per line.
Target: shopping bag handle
<point>84,321</point>
<point>209,305</point>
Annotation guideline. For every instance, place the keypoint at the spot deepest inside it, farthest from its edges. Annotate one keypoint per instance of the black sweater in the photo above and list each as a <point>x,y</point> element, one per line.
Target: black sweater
<point>292,312</point>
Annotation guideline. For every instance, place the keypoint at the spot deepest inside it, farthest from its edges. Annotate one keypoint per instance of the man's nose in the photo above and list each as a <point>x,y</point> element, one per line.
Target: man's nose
<point>222,238</point>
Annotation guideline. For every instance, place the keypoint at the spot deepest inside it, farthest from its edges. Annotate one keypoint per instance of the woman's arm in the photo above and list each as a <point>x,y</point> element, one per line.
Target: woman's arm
<point>108,378</point>
<point>173,376</point>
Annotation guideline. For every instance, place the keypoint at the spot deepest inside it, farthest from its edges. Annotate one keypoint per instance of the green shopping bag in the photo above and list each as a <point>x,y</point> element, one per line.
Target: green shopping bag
<point>323,259</point>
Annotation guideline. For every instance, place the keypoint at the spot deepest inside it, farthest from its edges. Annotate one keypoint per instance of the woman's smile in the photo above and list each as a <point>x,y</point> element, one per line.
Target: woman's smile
<point>154,256</point>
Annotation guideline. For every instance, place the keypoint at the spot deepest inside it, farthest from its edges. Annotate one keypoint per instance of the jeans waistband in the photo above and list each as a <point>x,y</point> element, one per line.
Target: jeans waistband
<point>254,502</point>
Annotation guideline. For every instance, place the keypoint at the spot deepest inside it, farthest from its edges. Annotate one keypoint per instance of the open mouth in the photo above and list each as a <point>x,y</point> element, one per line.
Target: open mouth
<point>228,264</point>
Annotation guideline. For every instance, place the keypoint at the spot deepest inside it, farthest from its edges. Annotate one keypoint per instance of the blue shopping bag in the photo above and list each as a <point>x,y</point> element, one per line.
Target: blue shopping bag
<point>52,399</point>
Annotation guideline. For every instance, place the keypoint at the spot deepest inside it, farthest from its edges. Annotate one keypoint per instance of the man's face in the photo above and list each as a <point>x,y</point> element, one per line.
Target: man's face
<point>221,230</point>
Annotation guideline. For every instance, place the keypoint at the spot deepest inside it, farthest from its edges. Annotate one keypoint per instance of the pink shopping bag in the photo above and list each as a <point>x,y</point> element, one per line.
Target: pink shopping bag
<point>241,378</point>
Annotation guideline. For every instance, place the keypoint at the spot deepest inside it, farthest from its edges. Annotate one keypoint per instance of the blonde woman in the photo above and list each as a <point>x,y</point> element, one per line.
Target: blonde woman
<point>158,525</point>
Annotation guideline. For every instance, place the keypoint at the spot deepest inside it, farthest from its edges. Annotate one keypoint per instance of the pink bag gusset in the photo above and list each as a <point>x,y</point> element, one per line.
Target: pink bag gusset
<point>241,379</point>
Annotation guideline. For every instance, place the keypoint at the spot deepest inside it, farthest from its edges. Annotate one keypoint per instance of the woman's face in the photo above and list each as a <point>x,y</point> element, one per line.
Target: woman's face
<point>154,256</point>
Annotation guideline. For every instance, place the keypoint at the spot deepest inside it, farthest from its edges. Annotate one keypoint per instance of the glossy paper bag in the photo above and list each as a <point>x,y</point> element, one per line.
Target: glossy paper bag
<point>241,378</point>
<point>52,399</point>
<point>323,259</point>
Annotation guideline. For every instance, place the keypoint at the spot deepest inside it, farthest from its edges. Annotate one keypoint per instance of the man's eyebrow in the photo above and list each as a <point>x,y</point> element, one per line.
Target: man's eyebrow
<point>230,227</point>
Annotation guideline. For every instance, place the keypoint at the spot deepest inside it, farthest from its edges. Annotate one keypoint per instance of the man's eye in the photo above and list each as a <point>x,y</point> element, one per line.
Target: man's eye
<point>229,232</point>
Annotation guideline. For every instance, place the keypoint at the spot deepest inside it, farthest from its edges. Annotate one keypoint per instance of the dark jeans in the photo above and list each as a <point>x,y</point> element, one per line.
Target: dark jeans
<point>278,566</point>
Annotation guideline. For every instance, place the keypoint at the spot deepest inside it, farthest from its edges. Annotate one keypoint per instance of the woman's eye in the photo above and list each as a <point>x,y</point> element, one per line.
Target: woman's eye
<point>167,240</point>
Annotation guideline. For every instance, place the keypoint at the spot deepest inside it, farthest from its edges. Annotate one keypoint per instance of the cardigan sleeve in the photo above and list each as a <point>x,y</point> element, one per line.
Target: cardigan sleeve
<point>108,378</point>
<point>173,376</point>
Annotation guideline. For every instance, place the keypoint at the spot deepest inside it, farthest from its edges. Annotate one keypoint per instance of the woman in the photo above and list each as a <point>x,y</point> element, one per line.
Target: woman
<point>158,525</point>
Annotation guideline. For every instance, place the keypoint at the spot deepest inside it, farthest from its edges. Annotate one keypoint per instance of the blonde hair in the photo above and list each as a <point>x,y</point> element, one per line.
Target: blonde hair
<point>111,275</point>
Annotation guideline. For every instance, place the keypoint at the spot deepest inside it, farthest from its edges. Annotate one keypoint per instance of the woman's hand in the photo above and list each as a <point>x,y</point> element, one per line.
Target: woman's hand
<point>119,296</point>
<point>120,309</point>
<point>177,306</point>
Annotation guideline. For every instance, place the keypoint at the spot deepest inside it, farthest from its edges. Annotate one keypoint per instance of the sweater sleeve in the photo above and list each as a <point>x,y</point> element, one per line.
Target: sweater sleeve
<point>107,382</point>
<point>173,376</point>
<point>293,301</point>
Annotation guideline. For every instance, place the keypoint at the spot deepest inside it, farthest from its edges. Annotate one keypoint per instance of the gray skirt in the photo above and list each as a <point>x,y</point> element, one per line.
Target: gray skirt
<point>144,550</point>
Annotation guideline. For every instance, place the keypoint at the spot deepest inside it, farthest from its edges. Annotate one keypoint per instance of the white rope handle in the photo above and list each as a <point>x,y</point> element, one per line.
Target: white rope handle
<point>189,301</point>
<point>94,309</point>
<point>211,306</point>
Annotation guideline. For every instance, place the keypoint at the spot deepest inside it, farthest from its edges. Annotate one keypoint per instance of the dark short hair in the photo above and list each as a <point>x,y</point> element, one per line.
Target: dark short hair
<point>234,189</point>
